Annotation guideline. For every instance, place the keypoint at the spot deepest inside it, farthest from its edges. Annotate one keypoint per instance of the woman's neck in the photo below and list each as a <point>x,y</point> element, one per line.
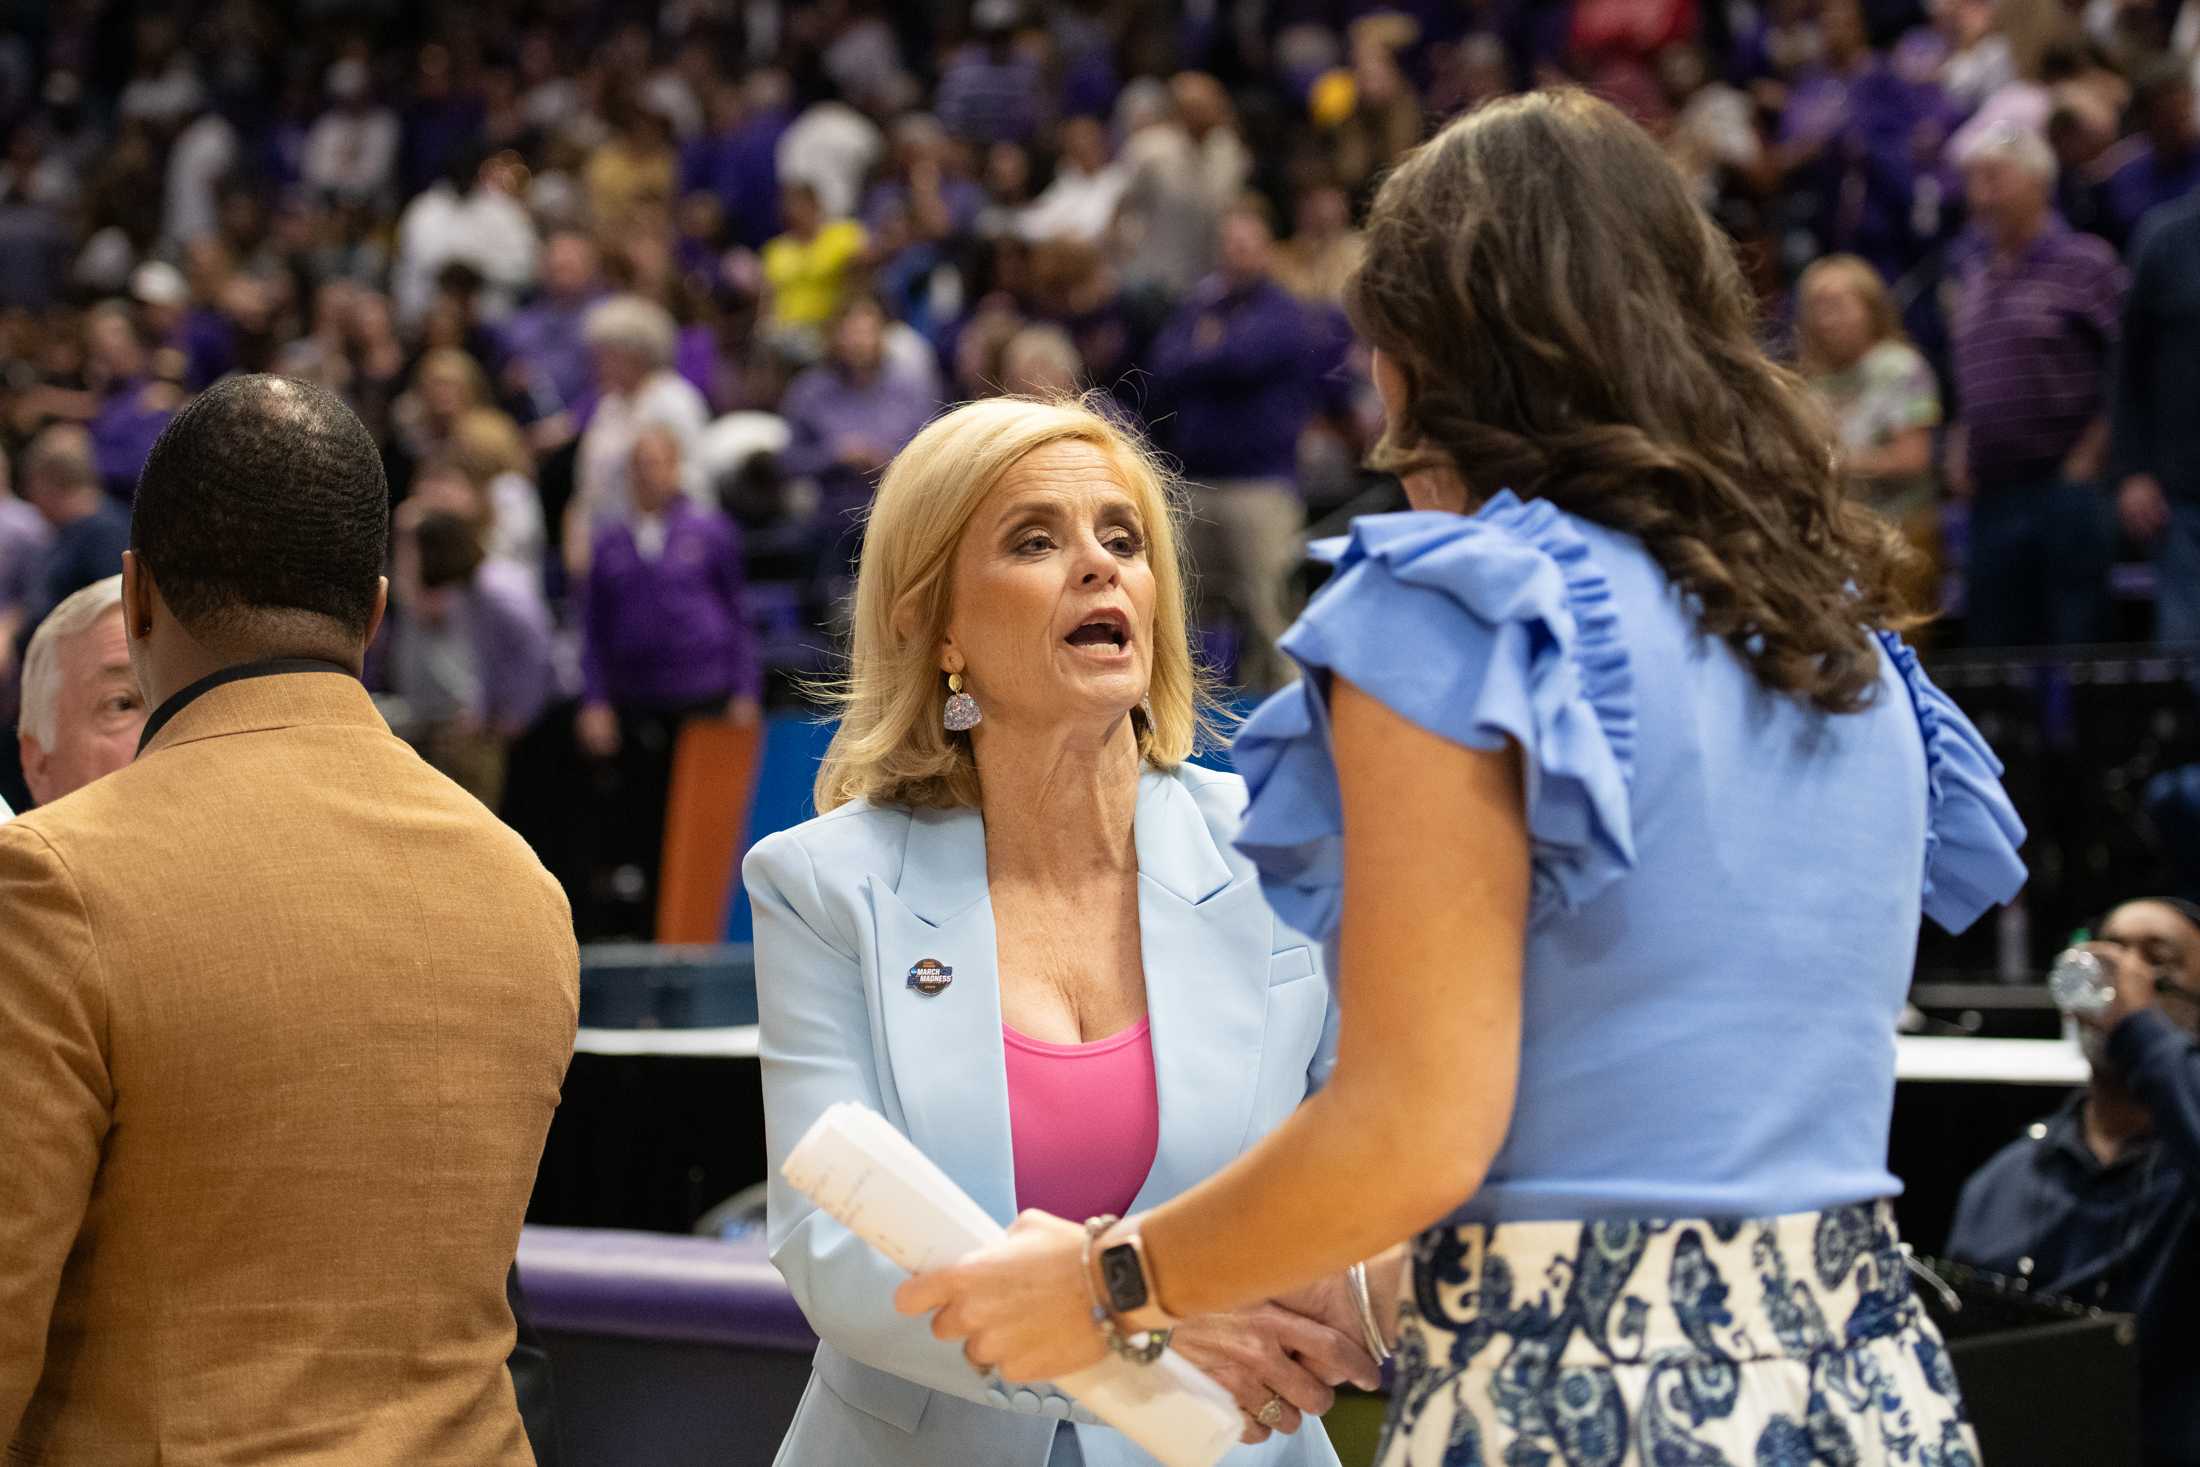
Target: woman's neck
<point>1059,803</point>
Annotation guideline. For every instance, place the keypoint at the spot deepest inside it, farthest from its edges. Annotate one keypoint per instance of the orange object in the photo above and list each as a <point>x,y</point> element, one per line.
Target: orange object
<point>706,827</point>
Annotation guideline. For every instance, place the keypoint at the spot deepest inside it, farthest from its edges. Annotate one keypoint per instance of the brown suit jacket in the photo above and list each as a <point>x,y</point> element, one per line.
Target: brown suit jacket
<point>283,1019</point>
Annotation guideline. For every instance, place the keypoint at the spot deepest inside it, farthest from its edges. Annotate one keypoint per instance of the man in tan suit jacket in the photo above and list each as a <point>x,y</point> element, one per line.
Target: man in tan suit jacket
<point>283,1013</point>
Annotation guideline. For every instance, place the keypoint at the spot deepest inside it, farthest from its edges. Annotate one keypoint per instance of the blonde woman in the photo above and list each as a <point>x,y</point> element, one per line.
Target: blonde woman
<point>493,452</point>
<point>1883,400</point>
<point>1018,929</point>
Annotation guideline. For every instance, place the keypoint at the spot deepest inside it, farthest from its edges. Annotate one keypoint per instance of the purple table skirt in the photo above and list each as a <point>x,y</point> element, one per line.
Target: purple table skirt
<point>658,1286</point>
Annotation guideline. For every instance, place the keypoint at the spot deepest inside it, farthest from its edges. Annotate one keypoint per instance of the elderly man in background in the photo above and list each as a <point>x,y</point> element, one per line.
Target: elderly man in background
<point>82,711</point>
<point>2035,324</point>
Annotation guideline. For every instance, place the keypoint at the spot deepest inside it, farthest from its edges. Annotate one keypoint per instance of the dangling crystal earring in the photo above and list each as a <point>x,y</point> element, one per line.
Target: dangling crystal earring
<point>1145,706</point>
<point>961,714</point>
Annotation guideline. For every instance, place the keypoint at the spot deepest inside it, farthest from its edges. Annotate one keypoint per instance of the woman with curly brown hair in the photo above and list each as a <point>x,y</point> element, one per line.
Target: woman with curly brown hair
<point>1619,798</point>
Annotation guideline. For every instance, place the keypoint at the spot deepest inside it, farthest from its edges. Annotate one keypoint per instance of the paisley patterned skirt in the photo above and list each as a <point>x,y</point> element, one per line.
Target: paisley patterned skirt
<point>1775,1342</point>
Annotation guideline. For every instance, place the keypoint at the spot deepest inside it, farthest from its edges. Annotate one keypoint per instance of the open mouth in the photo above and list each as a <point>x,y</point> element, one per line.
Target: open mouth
<point>1103,633</point>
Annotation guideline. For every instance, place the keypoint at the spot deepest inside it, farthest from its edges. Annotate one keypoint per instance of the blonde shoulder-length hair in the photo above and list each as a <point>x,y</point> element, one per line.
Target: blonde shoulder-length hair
<point>891,747</point>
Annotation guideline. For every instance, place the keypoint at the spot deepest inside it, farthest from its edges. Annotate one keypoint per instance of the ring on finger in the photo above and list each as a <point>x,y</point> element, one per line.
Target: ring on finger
<point>1270,1415</point>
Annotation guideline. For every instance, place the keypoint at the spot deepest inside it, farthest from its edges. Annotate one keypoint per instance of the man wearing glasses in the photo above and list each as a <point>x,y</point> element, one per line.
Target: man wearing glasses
<point>2101,1202</point>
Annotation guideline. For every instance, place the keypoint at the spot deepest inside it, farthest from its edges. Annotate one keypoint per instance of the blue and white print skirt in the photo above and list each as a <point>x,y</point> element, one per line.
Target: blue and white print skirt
<point>1774,1342</point>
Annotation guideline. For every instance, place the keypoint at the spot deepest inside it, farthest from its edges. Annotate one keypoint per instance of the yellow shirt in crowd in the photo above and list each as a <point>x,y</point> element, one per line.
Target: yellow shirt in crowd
<point>809,280</point>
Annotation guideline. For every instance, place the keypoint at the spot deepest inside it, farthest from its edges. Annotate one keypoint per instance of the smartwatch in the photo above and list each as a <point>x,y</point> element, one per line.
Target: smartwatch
<point>1127,1284</point>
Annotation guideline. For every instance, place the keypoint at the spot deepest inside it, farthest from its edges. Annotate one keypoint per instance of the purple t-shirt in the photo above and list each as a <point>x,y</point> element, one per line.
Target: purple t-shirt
<point>2033,336</point>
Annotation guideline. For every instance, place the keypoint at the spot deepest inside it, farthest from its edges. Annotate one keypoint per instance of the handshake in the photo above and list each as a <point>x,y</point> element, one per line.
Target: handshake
<point>1282,1361</point>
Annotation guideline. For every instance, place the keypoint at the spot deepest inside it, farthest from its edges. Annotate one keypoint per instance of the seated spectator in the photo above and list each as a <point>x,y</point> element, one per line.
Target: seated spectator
<point>467,647</point>
<point>809,268</point>
<point>849,415</point>
<point>2165,165</point>
<point>632,341</point>
<point>1235,366</point>
<point>665,638</point>
<point>2101,1202</point>
<point>2035,322</point>
<point>82,711</point>
<point>90,531</point>
<point>1881,392</point>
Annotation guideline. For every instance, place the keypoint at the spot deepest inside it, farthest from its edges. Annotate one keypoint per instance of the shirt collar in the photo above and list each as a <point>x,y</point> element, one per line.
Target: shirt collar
<point>272,667</point>
<point>2065,1134</point>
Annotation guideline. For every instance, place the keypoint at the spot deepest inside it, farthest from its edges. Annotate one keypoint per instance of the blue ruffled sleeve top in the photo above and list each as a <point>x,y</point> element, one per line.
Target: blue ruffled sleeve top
<point>1727,882</point>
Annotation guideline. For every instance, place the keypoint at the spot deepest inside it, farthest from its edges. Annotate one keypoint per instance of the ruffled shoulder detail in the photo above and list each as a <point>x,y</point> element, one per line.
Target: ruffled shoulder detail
<point>1971,830</point>
<point>1480,629</point>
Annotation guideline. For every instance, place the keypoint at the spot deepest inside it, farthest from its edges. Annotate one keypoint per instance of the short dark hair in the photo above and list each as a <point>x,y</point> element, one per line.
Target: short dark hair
<point>264,495</point>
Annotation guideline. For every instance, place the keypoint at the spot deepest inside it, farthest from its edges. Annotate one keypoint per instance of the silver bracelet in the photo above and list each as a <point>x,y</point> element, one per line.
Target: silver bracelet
<point>1371,1333</point>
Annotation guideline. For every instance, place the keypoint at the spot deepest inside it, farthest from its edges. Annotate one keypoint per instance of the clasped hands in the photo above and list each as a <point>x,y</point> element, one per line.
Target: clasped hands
<point>1023,1310</point>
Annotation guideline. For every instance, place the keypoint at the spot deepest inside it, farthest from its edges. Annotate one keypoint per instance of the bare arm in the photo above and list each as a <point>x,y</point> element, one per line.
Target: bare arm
<point>1435,918</point>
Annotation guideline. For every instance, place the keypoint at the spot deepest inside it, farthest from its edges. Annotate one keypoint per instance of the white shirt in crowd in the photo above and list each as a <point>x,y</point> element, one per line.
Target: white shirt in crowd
<point>831,147</point>
<point>665,399</point>
<point>485,227</point>
<point>201,157</point>
<point>1077,205</point>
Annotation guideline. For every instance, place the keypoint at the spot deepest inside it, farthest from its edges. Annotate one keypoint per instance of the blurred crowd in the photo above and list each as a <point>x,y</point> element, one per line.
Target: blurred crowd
<point>638,300</point>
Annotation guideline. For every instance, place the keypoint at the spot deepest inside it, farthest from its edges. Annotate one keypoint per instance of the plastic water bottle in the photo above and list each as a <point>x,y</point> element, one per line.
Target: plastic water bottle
<point>2079,983</point>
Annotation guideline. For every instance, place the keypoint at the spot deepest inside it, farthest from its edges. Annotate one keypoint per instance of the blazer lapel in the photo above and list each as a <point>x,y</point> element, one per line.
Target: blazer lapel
<point>1205,934</point>
<point>944,1047</point>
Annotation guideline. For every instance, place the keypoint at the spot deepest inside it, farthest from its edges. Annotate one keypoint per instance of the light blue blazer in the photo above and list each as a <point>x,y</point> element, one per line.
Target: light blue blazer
<point>845,905</point>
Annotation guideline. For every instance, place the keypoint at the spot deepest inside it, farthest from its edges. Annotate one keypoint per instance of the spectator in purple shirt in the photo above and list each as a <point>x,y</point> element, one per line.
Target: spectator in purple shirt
<point>737,159</point>
<point>131,407</point>
<point>2166,165</point>
<point>988,93</point>
<point>1856,142</point>
<point>2034,328</point>
<point>852,413</point>
<point>666,638</point>
<point>545,344</point>
<point>1236,366</point>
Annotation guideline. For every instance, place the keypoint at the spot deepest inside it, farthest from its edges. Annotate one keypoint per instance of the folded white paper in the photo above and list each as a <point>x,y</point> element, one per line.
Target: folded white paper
<point>869,1177</point>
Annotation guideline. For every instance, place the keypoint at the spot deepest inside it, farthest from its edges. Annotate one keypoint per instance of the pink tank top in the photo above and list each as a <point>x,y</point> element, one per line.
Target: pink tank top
<point>1085,1119</point>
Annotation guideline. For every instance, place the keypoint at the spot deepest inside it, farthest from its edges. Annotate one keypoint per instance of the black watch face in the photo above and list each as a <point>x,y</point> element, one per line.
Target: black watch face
<point>1125,1280</point>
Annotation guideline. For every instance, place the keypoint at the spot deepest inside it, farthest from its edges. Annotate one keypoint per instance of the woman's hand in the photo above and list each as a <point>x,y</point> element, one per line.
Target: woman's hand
<point>1272,1353</point>
<point>1021,1307</point>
